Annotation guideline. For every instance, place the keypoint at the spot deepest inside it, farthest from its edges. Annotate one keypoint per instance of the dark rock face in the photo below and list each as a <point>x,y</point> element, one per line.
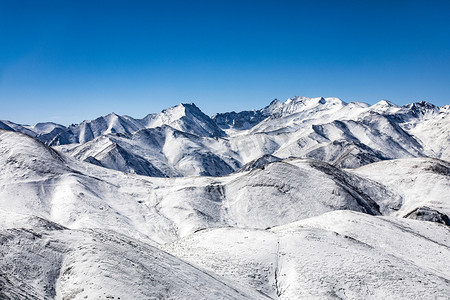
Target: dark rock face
<point>259,163</point>
<point>427,214</point>
<point>241,121</point>
<point>58,136</point>
<point>5,126</point>
<point>439,168</point>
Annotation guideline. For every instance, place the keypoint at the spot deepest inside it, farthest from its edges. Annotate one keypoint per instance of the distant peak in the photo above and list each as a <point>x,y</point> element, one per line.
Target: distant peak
<point>112,114</point>
<point>313,101</point>
<point>297,99</point>
<point>385,103</point>
<point>189,105</point>
<point>190,108</point>
<point>184,109</point>
<point>274,106</point>
<point>420,104</point>
<point>333,99</point>
<point>425,103</point>
<point>274,101</point>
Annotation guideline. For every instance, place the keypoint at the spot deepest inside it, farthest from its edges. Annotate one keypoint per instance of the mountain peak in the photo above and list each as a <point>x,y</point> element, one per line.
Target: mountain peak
<point>185,117</point>
<point>386,103</point>
<point>112,114</point>
<point>274,106</point>
<point>422,108</point>
<point>420,105</point>
<point>297,99</point>
<point>383,106</point>
<point>313,101</point>
<point>300,104</point>
<point>190,104</point>
<point>182,110</point>
<point>274,102</point>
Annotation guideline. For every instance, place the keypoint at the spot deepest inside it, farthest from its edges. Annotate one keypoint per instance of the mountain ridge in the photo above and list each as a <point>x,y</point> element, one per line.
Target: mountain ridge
<point>188,142</point>
<point>274,107</point>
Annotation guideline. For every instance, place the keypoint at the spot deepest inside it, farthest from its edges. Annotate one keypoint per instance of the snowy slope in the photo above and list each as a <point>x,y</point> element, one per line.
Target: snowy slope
<point>259,162</point>
<point>36,180</point>
<point>433,131</point>
<point>48,261</point>
<point>337,255</point>
<point>281,193</point>
<point>8,125</point>
<point>162,151</point>
<point>43,128</point>
<point>421,182</point>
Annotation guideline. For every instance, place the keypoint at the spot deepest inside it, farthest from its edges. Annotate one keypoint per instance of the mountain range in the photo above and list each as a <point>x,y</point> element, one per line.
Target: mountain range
<point>183,141</point>
<point>311,198</point>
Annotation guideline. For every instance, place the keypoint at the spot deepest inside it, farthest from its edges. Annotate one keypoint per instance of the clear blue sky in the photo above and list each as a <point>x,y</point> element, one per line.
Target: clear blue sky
<point>66,61</point>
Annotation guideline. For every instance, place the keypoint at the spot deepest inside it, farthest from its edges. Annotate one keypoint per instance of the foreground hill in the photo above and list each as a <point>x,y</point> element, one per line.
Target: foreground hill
<point>337,255</point>
<point>47,261</point>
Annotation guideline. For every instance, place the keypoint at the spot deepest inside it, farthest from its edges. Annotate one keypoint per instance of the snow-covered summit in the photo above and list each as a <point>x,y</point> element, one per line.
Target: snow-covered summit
<point>384,107</point>
<point>184,117</point>
<point>299,104</point>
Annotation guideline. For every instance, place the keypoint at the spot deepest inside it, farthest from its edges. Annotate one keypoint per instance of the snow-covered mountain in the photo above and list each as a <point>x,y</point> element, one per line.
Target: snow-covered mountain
<point>184,117</point>
<point>182,141</point>
<point>312,198</point>
<point>161,151</point>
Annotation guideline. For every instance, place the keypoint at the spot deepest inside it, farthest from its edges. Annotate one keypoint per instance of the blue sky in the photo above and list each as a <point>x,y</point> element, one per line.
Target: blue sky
<point>67,61</point>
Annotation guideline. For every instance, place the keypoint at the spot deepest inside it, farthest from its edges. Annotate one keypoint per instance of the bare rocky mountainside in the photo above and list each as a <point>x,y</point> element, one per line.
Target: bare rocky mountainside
<point>311,198</point>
